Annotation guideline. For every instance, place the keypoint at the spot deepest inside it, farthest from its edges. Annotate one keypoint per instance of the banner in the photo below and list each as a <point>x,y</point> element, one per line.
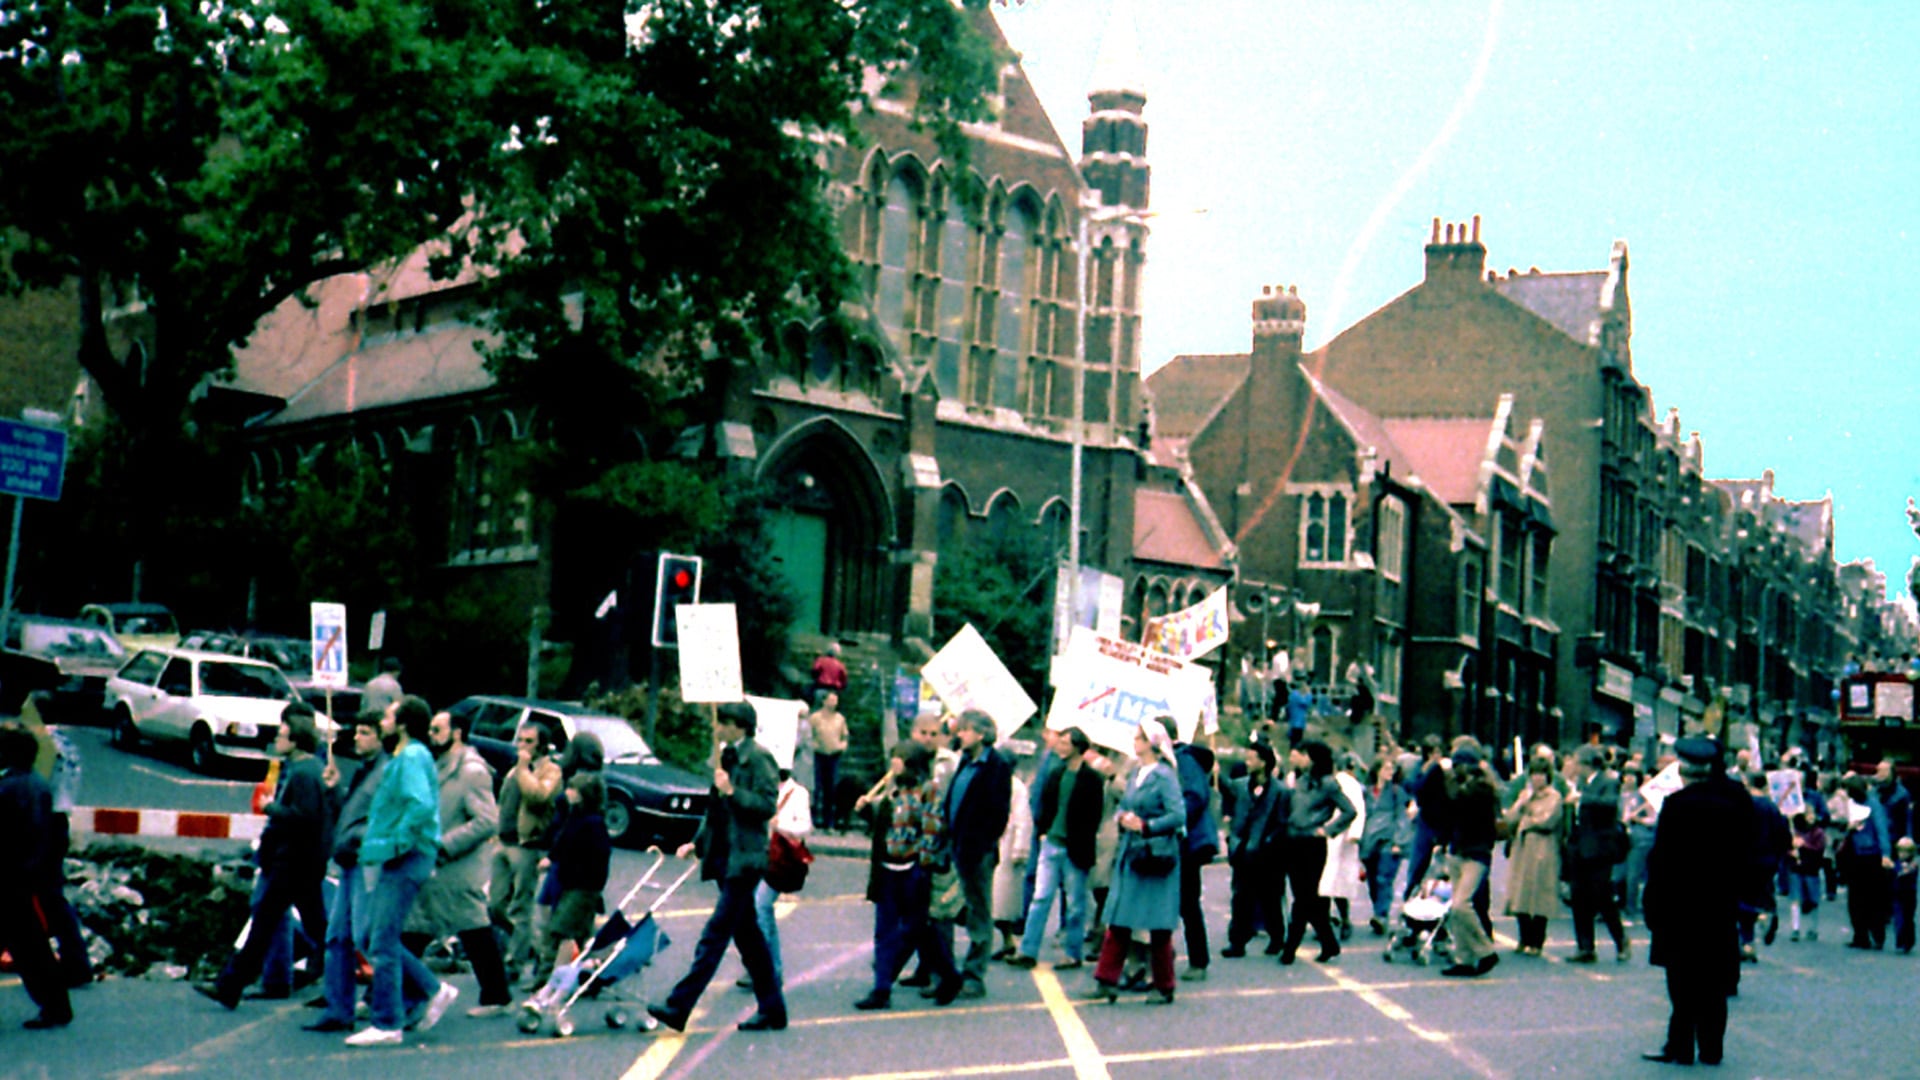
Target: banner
<point>777,727</point>
<point>709,653</point>
<point>1192,632</point>
<point>1106,686</point>
<point>965,674</point>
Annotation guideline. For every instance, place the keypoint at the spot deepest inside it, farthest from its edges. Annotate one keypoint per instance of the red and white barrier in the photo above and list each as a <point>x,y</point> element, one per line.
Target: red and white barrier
<point>105,821</point>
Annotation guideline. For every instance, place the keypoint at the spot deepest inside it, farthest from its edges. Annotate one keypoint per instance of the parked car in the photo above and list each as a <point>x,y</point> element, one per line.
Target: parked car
<point>293,656</point>
<point>138,626</point>
<point>219,706</point>
<point>68,661</point>
<point>648,801</point>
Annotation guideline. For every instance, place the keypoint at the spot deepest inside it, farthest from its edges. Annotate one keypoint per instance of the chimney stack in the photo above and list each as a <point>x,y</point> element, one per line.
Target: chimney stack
<point>1279,322</point>
<point>1455,255</point>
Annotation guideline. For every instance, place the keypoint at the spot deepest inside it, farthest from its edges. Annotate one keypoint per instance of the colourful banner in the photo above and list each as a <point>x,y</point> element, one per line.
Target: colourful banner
<point>1191,632</point>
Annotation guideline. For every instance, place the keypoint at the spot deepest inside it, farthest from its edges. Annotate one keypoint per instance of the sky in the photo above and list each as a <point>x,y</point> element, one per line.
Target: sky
<point>1759,161</point>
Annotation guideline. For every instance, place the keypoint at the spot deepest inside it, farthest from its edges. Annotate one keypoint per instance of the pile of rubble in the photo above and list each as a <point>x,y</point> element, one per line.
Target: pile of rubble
<point>154,914</point>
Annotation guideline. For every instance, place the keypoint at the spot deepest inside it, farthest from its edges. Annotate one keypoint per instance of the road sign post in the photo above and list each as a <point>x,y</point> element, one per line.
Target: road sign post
<point>33,462</point>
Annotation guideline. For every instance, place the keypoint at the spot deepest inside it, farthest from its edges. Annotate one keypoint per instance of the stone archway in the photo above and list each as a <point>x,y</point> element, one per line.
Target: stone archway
<point>833,530</point>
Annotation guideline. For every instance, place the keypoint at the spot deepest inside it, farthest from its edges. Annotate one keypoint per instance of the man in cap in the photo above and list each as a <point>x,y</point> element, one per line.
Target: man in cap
<point>1694,872</point>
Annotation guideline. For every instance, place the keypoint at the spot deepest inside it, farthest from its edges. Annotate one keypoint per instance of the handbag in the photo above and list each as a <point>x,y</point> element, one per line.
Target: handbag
<point>787,858</point>
<point>1155,856</point>
<point>946,899</point>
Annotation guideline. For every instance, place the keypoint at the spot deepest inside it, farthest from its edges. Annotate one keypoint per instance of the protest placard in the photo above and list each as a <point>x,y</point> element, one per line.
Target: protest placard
<point>1784,786</point>
<point>1106,686</point>
<point>1663,783</point>
<point>777,726</point>
<point>1191,632</point>
<point>709,653</point>
<point>966,674</point>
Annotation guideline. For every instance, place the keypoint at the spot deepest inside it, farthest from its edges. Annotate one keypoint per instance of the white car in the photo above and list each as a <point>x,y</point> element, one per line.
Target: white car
<point>220,706</point>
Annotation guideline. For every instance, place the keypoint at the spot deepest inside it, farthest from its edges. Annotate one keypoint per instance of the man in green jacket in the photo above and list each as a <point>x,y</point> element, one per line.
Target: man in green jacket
<point>397,857</point>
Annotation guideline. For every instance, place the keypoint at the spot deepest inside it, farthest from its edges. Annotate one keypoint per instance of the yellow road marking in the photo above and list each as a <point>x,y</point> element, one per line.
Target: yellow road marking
<point>1088,1063</point>
<point>1395,1012</point>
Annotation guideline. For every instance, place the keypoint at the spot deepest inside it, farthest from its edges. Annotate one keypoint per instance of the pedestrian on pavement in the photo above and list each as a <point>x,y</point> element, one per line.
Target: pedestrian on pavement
<point>829,674</point>
<point>1869,865</point>
<point>1804,865</point>
<point>1199,846</point>
<point>828,739</point>
<point>1256,839</point>
<point>1340,878</point>
<point>1389,829</point>
<point>1772,843</point>
<point>454,900</point>
<point>293,855</point>
<point>383,689</point>
<point>578,862</point>
<point>26,850</point>
<point>1145,895</point>
<point>1473,806</point>
<point>1596,843</point>
<point>1072,802</point>
<point>396,857</point>
<point>904,809</point>
<point>347,915</point>
<point>1700,856</point>
<point>732,846</point>
<point>1533,871</point>
<point>1319,810</point>
<point>527,796</point>
<point>977,804</point>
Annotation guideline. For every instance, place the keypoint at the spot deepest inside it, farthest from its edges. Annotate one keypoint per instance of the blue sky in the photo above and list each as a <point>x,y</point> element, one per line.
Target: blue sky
<point>1760,162</point>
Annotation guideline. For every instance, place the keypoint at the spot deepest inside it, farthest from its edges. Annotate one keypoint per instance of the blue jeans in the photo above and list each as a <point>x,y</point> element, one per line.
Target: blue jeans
<point>1055,873</point>
<point>733,922</point>
<point>763,898</point>
<point>394,887</point>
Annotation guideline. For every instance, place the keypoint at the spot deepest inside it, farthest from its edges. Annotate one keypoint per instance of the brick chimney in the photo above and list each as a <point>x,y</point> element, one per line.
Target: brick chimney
<point>1455,255</point>
<point>1279,323</point>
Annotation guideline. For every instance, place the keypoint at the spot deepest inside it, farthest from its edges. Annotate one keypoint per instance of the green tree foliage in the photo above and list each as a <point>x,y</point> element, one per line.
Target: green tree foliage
<point>1003,585</point>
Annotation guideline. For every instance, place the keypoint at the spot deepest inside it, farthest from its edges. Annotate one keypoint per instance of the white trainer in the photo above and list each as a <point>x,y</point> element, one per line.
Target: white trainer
<point>374,1036</point>
<point>438,1007</point>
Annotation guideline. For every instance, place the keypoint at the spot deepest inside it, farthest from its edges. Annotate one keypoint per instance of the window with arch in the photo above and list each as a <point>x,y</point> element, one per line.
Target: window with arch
<point>951,527</point>
<point>946,275</point>
<point>1003,516</point>
<point>898,225</point>
<point>1323,526</point>
<point>492,519</point>
<point>1055,521</point>
<point>1016,250</point>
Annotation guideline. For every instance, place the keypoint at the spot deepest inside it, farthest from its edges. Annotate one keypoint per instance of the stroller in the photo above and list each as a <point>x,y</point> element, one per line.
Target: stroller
<point>621,947</point>
<point>1423,917</point>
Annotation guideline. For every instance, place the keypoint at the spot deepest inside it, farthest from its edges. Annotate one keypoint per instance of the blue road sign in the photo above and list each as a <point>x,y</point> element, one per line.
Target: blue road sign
<point>32,460</point>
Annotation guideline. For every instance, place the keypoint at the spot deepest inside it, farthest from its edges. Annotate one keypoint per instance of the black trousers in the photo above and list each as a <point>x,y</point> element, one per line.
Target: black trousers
<point>1533,931</point>
<point>1591,886</point>
<point>22,935</point>
<point>297,890</point>
<point>1869,896</point>
<point>1259,885</point>
<point>734,921</point>
<point>1192,919</point>
<point>482,945</point>
<point>1699,1017</point>
<point>1306,857</point>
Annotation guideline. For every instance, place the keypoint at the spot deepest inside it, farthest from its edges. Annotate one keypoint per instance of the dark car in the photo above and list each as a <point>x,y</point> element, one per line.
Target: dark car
<point>648,801</point>
<point>67,659</point>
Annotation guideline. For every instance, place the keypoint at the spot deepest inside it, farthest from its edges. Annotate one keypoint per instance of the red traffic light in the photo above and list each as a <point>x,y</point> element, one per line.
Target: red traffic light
<point>682,579</point>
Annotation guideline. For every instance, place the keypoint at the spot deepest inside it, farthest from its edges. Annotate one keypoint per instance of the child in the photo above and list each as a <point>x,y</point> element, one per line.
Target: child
<point>1906,875</point>
<point>578,861</point>
<point>1803,873</point>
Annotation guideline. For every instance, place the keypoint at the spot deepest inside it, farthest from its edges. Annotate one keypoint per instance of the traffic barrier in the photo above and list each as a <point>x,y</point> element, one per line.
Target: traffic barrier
<point>107,821</point>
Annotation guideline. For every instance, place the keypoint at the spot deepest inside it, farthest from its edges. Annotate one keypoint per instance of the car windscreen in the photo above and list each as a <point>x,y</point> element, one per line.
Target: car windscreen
<point>243,680</point>
<point>50,639</point>
<point>159,623</point>
<point>623,744</point>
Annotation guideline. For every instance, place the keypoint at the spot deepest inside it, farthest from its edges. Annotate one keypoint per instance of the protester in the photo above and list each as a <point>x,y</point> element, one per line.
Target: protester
<point>578,862</point>
<point>383,689</point>
<point>347,916</point>
<point>1200,844</point>
<point>1473,805</point>
<point>1010,873</point>
<point>293,855</point>
<point>1318,809</point>
<point>1256,839</point>
<point>1772,843</point>
<point>1804,867</point>
<point>1145,894</point>
<point>792,818</point>
<point>1340,879</point>
<point>1692,902</point>
<point>454,901</point>
<point>732,844</point>
<point>1597,843</point>
<point>396,857</point>
<point>1868,851</point>
<point>827,736</point>
<point>977,802</point>
<point>1894,797</point>
<point>907,844</point>
<point>1430,828</point>
<point>1390,826</point>
<point>1044,775</point>
<point>26,850</point>
<point>526,801</point>
<point>1641,816</point>
<point>1906,881</point>
<point>1533,873</point>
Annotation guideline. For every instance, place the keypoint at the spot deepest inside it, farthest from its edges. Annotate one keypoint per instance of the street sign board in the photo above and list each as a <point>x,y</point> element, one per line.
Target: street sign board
<point>32,460</point>
<point>330,644</point>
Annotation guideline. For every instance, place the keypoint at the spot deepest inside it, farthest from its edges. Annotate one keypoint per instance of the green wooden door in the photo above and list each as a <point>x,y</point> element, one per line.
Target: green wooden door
<point>800,552</point>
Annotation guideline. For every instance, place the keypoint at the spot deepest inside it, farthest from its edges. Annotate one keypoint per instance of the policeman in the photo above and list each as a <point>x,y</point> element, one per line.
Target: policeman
<point>1700,850</point>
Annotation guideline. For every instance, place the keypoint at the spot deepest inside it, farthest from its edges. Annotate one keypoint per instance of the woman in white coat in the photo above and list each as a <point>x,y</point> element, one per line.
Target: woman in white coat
<point>1340,881</point>
<point>1010,875</point>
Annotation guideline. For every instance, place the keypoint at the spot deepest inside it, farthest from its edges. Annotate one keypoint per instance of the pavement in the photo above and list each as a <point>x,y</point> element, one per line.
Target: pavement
<point>1807,1010</point>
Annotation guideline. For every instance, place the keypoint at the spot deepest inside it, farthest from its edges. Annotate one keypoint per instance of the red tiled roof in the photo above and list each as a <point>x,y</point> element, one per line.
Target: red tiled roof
<point>1167,530</point>
<point>438,363</point>
<point>1446,453</point>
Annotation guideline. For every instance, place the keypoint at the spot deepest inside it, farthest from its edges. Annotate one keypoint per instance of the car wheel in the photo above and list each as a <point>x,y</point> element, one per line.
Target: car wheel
<point>125,735</point>
<point>618,816</point>
<point>200,750</point>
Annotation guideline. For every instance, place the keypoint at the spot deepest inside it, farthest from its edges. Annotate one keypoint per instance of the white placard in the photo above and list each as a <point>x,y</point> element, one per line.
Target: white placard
<point>1784,786</point>
<point>329,644</point>
<point>777,727</point>
<point>1106,686</point>
<point>377,631</point>
<point>965,674</point>
<point>1191,632</point>
<point>1664,783</point>
<point>709,653</point>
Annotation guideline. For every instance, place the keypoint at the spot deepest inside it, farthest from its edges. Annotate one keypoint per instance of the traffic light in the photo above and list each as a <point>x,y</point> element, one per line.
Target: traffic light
<point>676,581</point>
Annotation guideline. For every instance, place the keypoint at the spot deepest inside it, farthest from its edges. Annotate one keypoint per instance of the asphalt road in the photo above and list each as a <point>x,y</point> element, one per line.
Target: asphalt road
<point>1807,1010</point>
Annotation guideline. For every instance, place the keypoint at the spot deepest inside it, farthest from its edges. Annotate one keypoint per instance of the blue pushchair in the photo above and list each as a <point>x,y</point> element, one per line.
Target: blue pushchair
<point>621,947</point>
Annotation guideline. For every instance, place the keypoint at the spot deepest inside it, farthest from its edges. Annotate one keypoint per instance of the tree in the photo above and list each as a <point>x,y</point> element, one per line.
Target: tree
<point>1002,585</point>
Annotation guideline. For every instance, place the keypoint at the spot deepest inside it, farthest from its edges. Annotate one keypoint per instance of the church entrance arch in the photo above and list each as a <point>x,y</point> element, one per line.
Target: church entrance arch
<point>831,530</point>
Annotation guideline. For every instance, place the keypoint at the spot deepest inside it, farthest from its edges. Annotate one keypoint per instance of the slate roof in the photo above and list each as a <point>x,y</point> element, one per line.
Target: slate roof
<point>1571,301</point>
<point>1167,529</point>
